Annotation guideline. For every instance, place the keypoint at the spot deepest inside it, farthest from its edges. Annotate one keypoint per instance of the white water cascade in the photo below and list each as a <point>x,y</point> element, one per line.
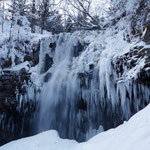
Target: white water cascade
<point>84,92</point>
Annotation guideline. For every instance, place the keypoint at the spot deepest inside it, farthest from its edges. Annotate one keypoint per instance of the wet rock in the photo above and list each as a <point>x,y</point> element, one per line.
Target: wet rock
<point>146,38</point>
<point>8,86</point>
<point>1,85</point>
<point>23,71</point>
<point>91,66</point>
<point>52,46</point>
<point>28,58</point>
<point>85,79</point>
<point>6,77</point>
<point>17,115</point>
<point>48,62</point>
<point>17,60</point>
<point>27,42</point>
<point>47,77</point>
<point>36,53</point>
<point>79,48</point>
<point>82,105</point>
<point>2,95</point>
<point>36,57</point>
<point>10,80</point>
<point>144,77</point>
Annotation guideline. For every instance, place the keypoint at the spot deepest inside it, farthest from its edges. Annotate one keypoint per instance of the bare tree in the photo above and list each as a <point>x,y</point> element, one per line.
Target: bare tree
<point>50,18</point>
<point>2,13</point>
<point>80,12</point>
<point>33,8</point>
<point>17,9</point>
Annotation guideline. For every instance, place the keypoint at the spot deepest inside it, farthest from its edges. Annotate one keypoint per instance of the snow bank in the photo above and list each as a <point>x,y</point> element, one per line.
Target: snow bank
<point>133,134</point>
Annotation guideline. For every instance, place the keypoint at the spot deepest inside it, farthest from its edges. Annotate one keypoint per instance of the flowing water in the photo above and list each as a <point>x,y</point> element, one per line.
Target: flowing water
<point>83,98</point>
<point>80,92</point>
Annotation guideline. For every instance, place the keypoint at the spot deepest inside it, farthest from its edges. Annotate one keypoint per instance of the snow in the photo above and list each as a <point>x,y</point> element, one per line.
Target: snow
<point>133,134</point>
<point>133,73</point>
<point>18,41</point>
<point>24,65</point>
<point>45,141</point>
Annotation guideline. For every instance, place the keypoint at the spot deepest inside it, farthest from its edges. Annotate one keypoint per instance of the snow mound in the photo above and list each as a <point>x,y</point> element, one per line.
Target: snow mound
<point>133,134</point>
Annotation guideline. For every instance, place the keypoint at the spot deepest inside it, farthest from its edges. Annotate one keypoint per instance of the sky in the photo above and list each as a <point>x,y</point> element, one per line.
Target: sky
<point>98,6</point>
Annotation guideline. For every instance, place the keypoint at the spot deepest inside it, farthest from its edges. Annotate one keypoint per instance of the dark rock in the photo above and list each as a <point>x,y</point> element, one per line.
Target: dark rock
<point>78,49</point>
<point>2,95</point>
<point>23,71</point>
<point>7,72</point>
<point>47,77</point>
<point>15,123</point>
<point>7,82</point>
<point>82,105</point>
<point>17,61</point>
<point>146,38</point>
<point>36,52</point>
<point>36,57</point>
<point>8,86</point>
<point>6,77</point>
<point>7,63</point>
<point>85,79</point>
<point>52,46</point>
<point>48,62</point>
<point>1,85</point>
<point>85,75</point>
<point>28,58</point>
<point>131,59</point>
<point>91,66</point>
<point>144,77</point>
<point>27,42</point>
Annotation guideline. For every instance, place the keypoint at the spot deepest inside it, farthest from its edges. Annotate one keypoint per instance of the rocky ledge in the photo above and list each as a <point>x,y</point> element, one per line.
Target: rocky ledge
<point>14,115</point>
<point>10,83</point>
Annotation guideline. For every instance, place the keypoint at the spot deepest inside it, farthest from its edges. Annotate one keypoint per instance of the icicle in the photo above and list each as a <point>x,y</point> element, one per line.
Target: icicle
<point>81,93</point>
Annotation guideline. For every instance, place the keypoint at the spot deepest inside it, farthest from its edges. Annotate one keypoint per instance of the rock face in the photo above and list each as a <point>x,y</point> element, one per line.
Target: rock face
<point>17,103</point>
<point>137,59</point>
<point>14,115</point>
<point>10,81</point>
<point>146,38</point>
<point>6,63</point>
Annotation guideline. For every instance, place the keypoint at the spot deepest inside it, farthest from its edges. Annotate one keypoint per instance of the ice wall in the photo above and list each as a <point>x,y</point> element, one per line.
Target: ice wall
<point>84,92</point>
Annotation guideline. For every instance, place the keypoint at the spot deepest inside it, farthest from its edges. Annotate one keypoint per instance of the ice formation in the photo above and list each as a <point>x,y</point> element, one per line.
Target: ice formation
<point>84,91</point>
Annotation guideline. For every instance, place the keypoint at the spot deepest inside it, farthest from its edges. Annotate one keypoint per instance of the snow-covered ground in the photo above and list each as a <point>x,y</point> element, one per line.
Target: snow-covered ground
<point>132,135</point>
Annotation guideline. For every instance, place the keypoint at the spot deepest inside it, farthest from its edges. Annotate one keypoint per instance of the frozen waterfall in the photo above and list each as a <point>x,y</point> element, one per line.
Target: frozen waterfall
<point>83,92</point>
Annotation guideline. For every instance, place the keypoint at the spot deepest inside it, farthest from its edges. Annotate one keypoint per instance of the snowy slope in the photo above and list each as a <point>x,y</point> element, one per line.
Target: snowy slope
<point>133,134</point>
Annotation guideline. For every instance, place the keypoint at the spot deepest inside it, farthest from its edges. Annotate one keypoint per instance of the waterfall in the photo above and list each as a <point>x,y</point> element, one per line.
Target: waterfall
<point>84,92</point>
<point>84,84</point>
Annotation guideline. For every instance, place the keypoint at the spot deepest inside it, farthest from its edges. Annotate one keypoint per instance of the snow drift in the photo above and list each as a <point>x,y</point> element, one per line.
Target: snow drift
<point>133,134</point>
